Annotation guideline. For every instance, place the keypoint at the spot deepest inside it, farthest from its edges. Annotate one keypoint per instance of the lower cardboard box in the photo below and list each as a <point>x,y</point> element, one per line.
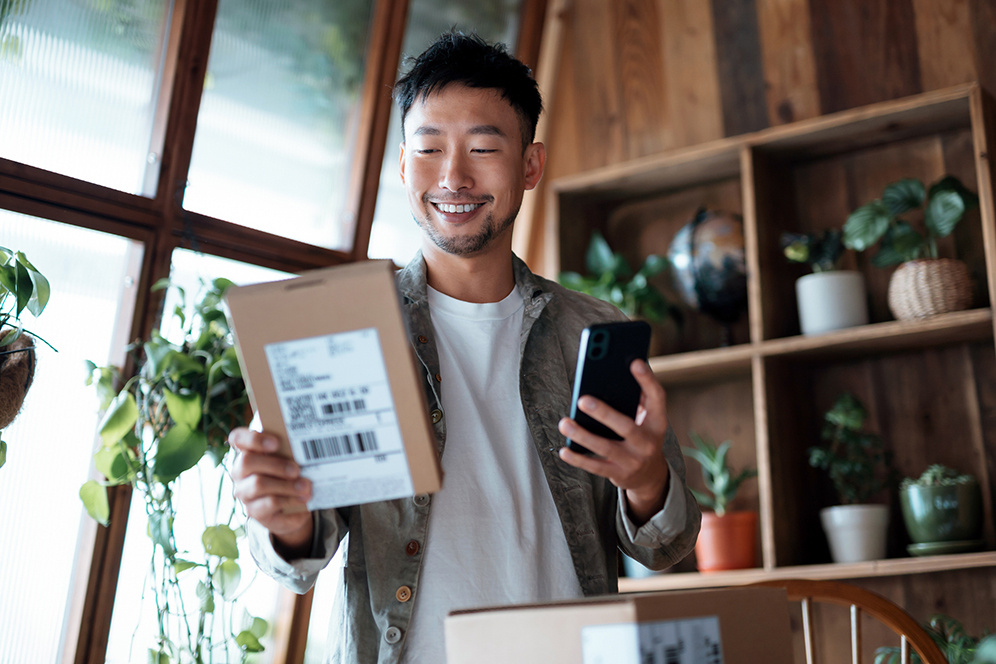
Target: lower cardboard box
<point>715,626</point>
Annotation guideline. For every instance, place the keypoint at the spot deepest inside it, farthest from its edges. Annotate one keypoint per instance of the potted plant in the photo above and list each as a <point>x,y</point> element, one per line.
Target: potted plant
<point>177,410</point>
<point>610,278</point>
<point>727,539</point>
<point>859,467</point>
<point>949,635</point>
<point>22,288</point>
<point>828,298</point>
<point>942,510</point>
<point>923,284</point>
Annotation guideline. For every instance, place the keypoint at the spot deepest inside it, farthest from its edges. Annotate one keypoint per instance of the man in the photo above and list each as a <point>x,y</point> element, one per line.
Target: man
<point>519,518</point>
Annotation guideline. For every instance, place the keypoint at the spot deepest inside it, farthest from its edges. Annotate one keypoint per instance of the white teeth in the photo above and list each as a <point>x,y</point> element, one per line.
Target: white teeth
<point>458,209</point>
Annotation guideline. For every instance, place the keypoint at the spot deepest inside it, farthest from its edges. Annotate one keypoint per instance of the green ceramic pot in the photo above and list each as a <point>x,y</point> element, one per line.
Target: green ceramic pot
<point>942,513</point>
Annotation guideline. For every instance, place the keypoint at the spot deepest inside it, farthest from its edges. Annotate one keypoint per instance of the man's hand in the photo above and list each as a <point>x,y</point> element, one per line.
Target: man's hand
<point>636,463</point>
<point>273,491</point>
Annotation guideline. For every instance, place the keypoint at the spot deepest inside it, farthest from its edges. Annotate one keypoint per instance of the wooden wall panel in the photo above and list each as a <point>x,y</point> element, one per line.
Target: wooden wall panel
<point>738,61</point>
<point>866,51</point>
<point>640,77</point>
<point>946,57</point>
<point>693,110</point>
<point>789,64</point>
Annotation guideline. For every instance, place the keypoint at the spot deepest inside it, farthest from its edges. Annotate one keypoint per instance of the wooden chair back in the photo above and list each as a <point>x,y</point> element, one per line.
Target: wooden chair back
<point>860,601</point>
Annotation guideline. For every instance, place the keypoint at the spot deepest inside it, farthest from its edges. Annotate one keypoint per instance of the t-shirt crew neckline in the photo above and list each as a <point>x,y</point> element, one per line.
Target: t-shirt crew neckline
<point>440,303</point>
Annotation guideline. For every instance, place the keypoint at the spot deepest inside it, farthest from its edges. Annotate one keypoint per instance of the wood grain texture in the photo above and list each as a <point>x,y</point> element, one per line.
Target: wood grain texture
<point>640,76</point>
<point>789,64</point>
<point>982,16</point>
<point>866,51</point>
<point>944,45</point>
<point>693,110</point>
<point>739,66</point>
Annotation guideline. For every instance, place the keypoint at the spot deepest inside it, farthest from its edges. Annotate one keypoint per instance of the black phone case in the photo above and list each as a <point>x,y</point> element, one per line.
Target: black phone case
<point>605,354</point>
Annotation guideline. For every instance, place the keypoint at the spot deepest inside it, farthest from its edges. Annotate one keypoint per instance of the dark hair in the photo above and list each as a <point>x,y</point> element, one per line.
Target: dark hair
<point>471,61</point>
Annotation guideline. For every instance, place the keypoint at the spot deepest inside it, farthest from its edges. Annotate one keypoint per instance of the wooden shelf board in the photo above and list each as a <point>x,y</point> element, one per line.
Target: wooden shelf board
<point>876,568</point>
<point>717,160</point>
<point>955,327</point>
<point>702,365</point>
<point>846,131</point>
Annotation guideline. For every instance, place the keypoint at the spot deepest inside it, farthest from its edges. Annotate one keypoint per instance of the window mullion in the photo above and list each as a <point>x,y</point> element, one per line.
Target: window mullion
<point>383,55</point>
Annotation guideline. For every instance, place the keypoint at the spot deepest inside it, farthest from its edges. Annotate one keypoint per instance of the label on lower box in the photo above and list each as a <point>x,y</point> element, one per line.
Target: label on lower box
<point>685,641</point>
<point>340,418</point>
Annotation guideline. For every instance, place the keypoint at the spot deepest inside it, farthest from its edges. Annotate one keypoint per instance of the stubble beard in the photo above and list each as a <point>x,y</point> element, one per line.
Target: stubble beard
<point>464,245</point>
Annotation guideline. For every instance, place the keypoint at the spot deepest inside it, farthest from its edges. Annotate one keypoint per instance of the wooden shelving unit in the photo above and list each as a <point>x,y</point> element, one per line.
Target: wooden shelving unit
<point>930,385</point>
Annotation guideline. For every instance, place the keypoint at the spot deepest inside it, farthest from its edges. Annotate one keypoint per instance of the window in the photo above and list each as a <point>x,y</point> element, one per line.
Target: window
<point>154,138</point>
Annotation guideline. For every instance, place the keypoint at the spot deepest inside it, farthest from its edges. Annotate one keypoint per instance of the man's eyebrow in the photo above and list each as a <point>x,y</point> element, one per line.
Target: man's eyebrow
<point>486,130</point>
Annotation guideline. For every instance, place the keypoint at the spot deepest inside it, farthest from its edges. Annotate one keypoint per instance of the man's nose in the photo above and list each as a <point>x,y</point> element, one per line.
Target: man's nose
<point>455,174</point>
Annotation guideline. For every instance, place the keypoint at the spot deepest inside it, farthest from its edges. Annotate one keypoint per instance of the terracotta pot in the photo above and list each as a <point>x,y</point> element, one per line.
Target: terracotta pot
<point>727,542</point>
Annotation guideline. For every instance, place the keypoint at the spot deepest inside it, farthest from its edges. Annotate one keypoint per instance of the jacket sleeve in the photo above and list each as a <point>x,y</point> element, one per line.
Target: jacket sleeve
<point>669,535</point>
<point>298,575</point>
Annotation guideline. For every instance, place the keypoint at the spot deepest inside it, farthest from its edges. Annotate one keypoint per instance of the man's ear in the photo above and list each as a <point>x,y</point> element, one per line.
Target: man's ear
<point>401,164</point>
<point>534,161</point>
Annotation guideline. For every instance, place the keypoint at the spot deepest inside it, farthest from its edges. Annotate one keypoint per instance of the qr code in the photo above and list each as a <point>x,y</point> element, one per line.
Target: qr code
<point>301,408</point>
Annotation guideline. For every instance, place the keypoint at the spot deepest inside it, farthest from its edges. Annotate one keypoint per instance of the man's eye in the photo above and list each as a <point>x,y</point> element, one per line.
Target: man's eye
<point>483,150</point>
<point>426,150</point>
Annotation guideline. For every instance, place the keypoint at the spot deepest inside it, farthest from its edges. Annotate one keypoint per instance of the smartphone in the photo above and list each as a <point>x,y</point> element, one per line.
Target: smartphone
<point>605,354</point>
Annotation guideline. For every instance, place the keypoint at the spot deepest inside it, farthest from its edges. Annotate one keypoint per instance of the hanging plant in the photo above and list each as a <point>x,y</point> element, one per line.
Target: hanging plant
<point>177,410</point>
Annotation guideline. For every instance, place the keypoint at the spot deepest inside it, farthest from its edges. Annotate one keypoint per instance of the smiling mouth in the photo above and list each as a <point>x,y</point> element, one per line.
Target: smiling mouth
<point>451,208</point>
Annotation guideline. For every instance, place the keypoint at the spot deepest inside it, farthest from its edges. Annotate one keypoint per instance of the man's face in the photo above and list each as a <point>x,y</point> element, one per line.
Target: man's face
<point>464,168</point>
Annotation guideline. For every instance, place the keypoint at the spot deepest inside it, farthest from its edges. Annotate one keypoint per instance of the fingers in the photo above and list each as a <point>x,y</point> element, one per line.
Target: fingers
<point>246,440</point>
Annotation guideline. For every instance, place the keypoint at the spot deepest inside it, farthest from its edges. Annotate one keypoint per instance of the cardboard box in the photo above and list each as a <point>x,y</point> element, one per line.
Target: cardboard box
<point>329,368</point>
<point>716,626</point>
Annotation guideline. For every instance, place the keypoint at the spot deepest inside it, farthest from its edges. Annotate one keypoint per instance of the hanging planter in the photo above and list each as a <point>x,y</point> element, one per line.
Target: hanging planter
<point>17,370</point>
<point>927,287</point>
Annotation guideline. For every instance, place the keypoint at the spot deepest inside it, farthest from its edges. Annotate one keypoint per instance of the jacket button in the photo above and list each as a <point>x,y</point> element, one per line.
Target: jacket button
<point>422,339</point>
<point>404,594</point>
<point>411,548</point>
<point>436,415</point>
<point>439,378</point>
<point>392,635</point>
<point>421,499</point>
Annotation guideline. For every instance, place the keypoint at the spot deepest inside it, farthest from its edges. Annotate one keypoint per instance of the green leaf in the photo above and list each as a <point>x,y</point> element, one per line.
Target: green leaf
<point>901,243</point>
<point>181,565</point>
<point>220,541</point>
<point>206,595</point>
<point>228,576</point>
<point>158,657</point>
<point>943,213</point>
<point>179,450</point>
<point>119,419</point>
<point>906,194</point>
<point>112,463</point>
<point>184,408</point>
<point>3,453</point>
<point>24,287</point>
<point>248,641</point>
<point>94,497</point>
<point>230,363</point>
<point>157,351</point>
<point>258,627</point>
<point>599,257</point>
<point>40,295</point>
<point>866,225</point>
<point>160,528</point>
<point>8,278</point>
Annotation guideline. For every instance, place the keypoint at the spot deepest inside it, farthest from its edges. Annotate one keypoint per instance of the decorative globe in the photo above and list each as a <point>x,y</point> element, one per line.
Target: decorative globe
<point>708,264</point>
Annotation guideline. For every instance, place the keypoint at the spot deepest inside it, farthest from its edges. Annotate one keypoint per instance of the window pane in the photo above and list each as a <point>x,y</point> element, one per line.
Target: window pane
<point>278,117</point>
<point>50,444</point>
<point>202,498</point>
<point>394,233</point>
<point>79,82</point>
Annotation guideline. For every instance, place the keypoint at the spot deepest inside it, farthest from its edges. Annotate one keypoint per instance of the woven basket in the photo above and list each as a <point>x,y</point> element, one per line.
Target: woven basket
<point>927,287</point>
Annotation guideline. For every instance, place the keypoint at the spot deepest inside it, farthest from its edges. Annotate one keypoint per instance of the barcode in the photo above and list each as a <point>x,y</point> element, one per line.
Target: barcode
<point>338,446</point>
<point>339,407</point>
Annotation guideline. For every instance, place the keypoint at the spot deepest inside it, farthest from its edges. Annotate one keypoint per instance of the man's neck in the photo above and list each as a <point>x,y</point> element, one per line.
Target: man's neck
<point>487,277</point>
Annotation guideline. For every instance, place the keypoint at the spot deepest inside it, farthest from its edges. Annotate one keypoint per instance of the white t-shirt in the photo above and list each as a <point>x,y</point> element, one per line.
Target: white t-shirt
<point>494,534</point>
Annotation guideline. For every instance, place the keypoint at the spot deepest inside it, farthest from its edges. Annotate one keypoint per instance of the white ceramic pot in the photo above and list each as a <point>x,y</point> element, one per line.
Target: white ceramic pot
<point>856,532</point>
<point>831,301</point>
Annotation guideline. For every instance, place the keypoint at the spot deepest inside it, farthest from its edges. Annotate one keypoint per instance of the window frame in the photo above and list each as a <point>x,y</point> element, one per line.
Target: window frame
<point>161,225</point>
